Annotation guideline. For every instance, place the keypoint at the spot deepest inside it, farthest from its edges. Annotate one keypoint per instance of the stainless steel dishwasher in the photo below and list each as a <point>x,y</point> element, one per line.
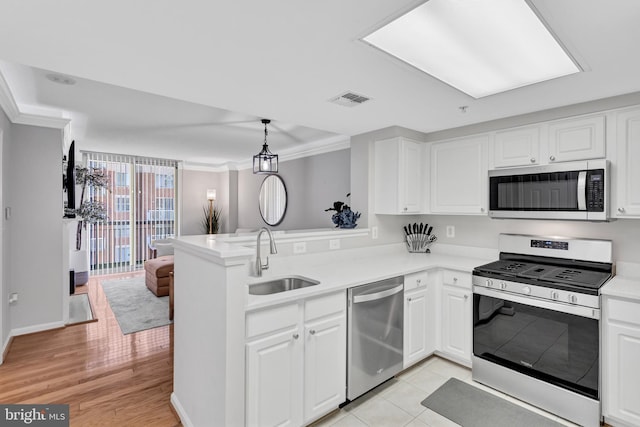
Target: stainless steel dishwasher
<point>374,336</point>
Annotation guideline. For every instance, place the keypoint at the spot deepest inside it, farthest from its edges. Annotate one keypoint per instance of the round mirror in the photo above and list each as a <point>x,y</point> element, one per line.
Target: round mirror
<point>273,200</point>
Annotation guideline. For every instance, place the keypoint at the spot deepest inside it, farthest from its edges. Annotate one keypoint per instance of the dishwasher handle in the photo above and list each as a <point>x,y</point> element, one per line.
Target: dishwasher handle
<point>378,295</point>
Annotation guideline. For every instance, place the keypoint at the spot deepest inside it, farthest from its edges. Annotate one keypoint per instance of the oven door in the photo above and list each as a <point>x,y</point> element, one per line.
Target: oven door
<point>554,342</point>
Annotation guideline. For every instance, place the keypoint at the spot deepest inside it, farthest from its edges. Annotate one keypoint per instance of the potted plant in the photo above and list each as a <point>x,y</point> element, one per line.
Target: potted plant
<point>89,212</point>
<point>343,217</point>
<point>215,219</point>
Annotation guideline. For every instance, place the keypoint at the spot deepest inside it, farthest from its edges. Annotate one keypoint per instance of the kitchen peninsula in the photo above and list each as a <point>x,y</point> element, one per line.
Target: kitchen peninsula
<point>212,304</point>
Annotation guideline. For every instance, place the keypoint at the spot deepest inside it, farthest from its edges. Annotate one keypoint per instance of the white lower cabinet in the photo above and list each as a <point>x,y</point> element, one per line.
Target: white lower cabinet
<point>419,318</point>
<point>456,316</point>
<point>296,361</point>
<point>621,356</point>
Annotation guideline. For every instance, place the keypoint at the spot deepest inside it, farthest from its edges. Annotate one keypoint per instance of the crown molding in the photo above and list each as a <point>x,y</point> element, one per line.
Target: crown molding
<point>322,146</point>
<point>204,167</point>
<point>12,110</point>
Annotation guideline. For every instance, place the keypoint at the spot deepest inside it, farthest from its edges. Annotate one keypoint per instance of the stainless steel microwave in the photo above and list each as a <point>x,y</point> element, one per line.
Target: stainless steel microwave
<point>571,191</point>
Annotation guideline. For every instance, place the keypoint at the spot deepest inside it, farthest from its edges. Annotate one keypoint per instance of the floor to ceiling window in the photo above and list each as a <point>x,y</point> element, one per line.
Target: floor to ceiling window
<point>140,204</point>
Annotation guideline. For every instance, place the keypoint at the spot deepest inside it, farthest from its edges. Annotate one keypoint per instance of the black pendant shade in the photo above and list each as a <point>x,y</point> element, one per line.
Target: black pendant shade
<point>265,161</point>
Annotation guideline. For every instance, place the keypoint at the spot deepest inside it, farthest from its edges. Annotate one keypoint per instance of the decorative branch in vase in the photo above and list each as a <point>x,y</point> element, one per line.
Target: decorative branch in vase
<point>90,211</point>
<point>214,217</point>
<point>344,216</point>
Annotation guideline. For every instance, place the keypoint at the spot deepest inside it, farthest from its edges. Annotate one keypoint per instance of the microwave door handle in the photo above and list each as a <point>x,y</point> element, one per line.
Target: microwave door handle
<point>582,191</point>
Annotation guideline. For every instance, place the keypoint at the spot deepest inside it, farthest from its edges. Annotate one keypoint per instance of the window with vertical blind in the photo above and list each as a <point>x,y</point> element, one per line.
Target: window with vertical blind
<point>140,203</point>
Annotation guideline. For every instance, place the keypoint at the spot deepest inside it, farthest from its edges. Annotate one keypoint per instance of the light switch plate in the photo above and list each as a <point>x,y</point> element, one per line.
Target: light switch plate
<point>374,232</point>
<point>299,247</point>
<point>451,231</point>
<point>334,244</point>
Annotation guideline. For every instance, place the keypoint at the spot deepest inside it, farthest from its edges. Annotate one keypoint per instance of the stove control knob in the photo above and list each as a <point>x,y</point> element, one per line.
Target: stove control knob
<point>489,283</point>
<point>526,290</point>
<point>503,285</point>
<point>573,299</point>
<point>554,295</point>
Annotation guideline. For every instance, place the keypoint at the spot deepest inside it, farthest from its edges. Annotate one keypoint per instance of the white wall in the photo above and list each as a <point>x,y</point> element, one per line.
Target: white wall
<point>34,194</point>
<point>313,184</point>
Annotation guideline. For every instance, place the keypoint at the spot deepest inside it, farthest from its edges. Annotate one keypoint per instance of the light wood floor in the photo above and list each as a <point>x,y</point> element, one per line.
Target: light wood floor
<point>107,378</point>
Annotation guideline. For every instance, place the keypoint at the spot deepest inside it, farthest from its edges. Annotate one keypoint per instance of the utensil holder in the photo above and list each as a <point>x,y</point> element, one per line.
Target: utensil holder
<point>419,243</point>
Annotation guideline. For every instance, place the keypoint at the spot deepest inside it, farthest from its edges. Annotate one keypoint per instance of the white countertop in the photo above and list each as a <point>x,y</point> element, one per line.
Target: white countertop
<point>626,282</point>
<point>339,270</point>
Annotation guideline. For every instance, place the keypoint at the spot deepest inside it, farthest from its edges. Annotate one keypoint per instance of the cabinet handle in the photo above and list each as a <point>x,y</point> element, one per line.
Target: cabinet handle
<point>481,209</point>
<point>533,160</point>
<point>418,282</point>
<point>405,208</point>
<point>621,210</point>
<point>296,336</point>
<point>466,296</point>
<point>552,158</point>
<point>312,332</point>
<point>409,299</point>
<point>455,279</point>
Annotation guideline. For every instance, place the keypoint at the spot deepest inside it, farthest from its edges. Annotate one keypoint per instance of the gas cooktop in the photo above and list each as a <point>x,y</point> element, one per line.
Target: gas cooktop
<point>545,274</point>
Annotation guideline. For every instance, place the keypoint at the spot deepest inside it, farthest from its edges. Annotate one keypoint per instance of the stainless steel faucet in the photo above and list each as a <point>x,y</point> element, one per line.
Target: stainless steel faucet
<point>272,247</point>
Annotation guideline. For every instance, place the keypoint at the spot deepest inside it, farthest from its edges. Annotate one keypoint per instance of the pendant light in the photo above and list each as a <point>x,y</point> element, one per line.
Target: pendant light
<point>265,161</point>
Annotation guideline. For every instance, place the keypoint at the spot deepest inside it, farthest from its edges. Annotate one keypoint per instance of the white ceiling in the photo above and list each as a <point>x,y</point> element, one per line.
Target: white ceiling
<point>190,80</point>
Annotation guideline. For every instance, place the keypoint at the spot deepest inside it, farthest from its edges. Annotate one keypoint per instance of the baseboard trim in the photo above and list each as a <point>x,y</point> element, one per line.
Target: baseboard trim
<point>37,328</point>
<point>182,414</point>
<point>5,349</point>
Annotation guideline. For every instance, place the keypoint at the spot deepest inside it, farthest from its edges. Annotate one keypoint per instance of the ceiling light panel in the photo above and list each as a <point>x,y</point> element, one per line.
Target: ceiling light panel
<point>480,47</point>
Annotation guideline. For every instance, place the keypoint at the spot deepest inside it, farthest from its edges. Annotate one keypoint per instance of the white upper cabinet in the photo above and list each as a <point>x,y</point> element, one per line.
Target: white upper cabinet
<point>627,177</point>
<point>516,147</point>
<point>399,177</point>
<point>578,138</point>
<point>459,176</point>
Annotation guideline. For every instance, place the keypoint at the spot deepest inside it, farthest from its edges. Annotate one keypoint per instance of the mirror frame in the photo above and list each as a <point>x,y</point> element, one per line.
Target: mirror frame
<point>286,200</point>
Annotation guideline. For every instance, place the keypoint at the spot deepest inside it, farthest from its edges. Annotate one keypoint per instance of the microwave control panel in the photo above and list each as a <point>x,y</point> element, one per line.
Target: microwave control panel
<point>595,190</point>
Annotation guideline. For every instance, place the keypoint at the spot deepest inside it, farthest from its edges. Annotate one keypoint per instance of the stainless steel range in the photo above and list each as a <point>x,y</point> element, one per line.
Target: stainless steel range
<point>536,322</point>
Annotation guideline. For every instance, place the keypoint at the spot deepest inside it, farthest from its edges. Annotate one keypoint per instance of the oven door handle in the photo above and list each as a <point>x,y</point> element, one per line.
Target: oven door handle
<point>578,310</point>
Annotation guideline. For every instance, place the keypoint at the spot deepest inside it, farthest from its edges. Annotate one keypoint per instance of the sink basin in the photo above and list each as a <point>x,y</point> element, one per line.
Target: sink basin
<point>281,285</point>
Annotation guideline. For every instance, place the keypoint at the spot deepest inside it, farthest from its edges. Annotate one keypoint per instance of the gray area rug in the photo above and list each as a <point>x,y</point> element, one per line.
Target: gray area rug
<point>469,406</point>
<point>136,308</point>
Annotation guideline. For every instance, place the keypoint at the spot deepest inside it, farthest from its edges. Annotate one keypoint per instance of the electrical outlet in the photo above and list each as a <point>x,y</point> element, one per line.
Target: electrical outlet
<point>13,298</point>
<point>300,247</point>
<point>334,244</point>
<point>374,232</point>
<point>451,231</point>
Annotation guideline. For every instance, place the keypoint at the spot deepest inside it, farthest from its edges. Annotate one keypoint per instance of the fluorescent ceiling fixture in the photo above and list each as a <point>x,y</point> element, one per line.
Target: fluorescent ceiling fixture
<point>480,47</point>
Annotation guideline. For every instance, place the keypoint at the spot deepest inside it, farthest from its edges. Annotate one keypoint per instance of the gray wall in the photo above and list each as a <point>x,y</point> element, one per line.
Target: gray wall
<point>313,184</point>
<point>5,325</point>
<point>193,193</point>
<point>34,192</point>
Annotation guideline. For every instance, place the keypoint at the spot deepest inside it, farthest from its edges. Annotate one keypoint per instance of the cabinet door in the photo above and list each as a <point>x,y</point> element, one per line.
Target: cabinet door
<point>621,398</point>
<point>516,147</point>
<point>459,176</point>
<point>274,380</point>
<point>415,326</point>
<point>325,364</point>
<point>456,323</point>
<point>398,176</point>
<point>410,177</point>
<point>627,170</point>
<point>577,139</point>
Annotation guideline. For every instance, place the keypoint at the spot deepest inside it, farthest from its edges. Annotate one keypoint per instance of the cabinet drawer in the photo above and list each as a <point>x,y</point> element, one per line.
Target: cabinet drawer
<point>625,311</point>
<point>456,278</point>
<point>325,305</point>
<point>272,319</point>
<point>416,280</point>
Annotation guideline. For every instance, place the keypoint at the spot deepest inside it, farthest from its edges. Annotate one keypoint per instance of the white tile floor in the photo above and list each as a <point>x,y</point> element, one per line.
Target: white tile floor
<point>397,402</point>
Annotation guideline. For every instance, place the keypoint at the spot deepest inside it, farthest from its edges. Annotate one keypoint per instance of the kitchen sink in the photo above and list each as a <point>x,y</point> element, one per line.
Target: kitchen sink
<point>281,285</point>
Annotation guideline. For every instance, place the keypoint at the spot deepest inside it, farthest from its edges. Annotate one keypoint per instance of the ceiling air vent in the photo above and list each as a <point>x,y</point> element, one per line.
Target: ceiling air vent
<point>349,99</point>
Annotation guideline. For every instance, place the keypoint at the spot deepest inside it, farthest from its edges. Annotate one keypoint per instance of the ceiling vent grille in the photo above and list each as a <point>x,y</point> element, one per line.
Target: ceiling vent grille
<point>349,99</point>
